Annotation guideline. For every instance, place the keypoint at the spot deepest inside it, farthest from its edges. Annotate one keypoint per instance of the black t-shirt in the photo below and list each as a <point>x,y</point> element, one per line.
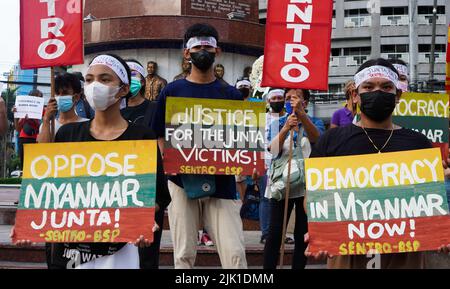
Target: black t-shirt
<point>137,114</point>
<point>351,140</point>
<point>80,132</point>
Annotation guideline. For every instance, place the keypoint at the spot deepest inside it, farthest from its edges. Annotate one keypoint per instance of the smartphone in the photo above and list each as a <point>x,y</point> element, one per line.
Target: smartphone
<point>288,107</point>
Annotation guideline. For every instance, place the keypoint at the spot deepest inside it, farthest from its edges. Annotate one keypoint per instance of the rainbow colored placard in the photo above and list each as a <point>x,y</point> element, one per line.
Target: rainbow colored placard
<point>214,136</point>
<point>377,203</point>
<point>88,192</point>
<point>426,113</point>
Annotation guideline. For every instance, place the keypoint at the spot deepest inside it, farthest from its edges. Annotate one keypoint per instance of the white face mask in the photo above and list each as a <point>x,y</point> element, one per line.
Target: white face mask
<point>100,96</point>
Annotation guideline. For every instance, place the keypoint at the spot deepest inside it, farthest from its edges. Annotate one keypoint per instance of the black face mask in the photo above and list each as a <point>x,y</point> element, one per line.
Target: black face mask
<point>377,105</point>
<point>203,59</point>
<point>277,107</point>
<point>245,92</point>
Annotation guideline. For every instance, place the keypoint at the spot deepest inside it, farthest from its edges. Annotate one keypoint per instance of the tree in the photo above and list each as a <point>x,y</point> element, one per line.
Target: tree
<point>9,95</point>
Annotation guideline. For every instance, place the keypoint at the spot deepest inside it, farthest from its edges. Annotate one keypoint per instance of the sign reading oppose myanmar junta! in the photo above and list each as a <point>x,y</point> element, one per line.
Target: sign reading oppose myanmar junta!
<point>426,113</point>
<point>214,137</point>
<point>88,192</point>
<point>377,203</point>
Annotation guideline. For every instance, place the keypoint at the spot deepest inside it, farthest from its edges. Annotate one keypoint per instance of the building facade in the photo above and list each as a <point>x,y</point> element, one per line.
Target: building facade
<point>153,30</point>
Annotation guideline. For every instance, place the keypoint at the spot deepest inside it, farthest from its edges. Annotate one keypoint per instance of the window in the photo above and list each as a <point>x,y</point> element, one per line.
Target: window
<point>357,51</point>
<point>387,11</point>
<point>396,48</point>
<point>428,10</point>
<point>426,48</point>
<point>335,52</point>
<point>356,12</point>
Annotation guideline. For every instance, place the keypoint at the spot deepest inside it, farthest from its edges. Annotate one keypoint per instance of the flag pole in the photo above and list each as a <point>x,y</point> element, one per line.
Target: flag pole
<point>52,96</point>
<point>286,197</point>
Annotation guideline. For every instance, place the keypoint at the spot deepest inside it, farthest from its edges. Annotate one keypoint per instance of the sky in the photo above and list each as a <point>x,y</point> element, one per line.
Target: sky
<point>9,34</point>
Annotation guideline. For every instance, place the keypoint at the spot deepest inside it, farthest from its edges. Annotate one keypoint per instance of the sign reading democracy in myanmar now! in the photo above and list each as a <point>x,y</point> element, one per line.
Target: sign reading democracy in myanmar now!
<point>377,203</point>
<point>214,137</point>
<point>88,192</point>
<point>426,113</point>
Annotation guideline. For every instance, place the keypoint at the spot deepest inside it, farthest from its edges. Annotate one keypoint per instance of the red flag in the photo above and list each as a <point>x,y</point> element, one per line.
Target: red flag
<point>51,33</point>
<point>298,43</point>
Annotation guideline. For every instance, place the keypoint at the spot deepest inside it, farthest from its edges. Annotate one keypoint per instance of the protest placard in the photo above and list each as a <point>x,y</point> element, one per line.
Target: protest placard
<point>51,33</point>
<point>426,113</point>
<point>298,44</point>
<point>31,106</point>
<point>377,203</point>
<point>88,192</point>
<point>214,137</point>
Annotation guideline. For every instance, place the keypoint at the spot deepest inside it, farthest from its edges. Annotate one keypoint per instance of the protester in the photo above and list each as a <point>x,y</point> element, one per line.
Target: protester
<point>3,118</point>
<point>138,109</point>
<point>293,126</point>
<point>67,90</point>
<point>107,81</point>
<point>377,93</point>
<point>221,210</point>
<point>345,115</point>
<point>82,107</point>
<point>403,71</point>
<point>141,111</point>
<point>186,69</point>
<point>219,73</point>
<point>244,86</point>
<point>275,99</point>
<point>28,129</point>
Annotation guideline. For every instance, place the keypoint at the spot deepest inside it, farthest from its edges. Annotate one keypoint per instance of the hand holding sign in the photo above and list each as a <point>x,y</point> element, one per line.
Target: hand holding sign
<point>382,203</point>
<point>29,107</point>
<point>88,193</point>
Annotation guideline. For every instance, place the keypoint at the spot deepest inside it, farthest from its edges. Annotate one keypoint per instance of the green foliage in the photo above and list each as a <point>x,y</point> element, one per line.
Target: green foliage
<point>11,181</point>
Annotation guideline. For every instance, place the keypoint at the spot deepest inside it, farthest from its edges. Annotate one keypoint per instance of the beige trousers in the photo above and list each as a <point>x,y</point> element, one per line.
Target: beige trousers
<point>220,218</point>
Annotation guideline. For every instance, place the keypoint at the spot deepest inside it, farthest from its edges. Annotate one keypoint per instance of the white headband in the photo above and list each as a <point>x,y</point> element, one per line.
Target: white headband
<point>402,69</point>
<point>114,64</point>
<point>135,66</point>
<point>243,82</point>
<point>200,41</point>
<point>275,92</point>
<point>376,71</point>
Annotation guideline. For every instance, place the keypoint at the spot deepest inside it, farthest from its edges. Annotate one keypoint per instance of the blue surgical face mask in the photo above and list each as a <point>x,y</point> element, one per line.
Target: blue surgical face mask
<point>65,103</point>
<point>136,86</point>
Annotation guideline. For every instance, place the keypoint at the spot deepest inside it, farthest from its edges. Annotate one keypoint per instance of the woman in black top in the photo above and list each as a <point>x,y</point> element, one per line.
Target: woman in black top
<point>107,82</point>
<point>377,95</point>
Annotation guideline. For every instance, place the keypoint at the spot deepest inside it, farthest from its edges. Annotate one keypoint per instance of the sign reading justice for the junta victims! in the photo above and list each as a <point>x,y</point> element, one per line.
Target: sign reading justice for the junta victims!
<point>379,203</point>
<point>88,192</point>
<point>214,137</point>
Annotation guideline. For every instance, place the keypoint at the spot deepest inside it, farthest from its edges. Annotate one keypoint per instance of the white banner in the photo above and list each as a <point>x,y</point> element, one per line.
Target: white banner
<point>29,105</point>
